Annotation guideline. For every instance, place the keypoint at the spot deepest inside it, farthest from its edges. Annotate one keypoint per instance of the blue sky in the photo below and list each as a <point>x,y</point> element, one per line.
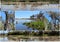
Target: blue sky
<point>2,14</point>
<point>25,14</point>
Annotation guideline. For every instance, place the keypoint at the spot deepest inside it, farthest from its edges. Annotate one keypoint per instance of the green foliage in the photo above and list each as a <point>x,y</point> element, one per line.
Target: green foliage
<point>39,25</point>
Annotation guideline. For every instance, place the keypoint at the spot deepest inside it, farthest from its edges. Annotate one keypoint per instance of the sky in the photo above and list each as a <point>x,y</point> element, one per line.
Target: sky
<point>26,14</point>
<point>3,15</point>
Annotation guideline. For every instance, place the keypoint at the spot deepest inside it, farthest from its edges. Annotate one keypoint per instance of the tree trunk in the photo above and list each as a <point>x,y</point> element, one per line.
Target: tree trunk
<point>58,25</point>
<point>52,23</point>
<point>6,23</point>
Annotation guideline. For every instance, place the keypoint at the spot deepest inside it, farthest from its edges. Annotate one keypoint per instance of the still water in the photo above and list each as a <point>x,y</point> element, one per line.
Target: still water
<point>20,26</point>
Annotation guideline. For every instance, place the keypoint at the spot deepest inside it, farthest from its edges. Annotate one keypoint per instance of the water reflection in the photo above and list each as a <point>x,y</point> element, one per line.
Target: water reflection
<point>20,26</point>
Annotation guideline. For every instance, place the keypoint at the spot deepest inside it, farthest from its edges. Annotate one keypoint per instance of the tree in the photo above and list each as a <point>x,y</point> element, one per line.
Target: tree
<point>9,24</point>
<point>6,23</point>
<point>41,17</point>
<point>11,19</point>
<point>32,17</point>
<point>54,16</point>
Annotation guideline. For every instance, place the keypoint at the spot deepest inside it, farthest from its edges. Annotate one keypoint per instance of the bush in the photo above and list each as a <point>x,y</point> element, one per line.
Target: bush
<point>54,33</point>
<point>15,33</point>
<point>40,33</point>
<point>26,33</point>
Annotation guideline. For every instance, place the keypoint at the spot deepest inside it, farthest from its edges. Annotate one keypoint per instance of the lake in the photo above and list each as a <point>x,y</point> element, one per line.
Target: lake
<point>20,26</point>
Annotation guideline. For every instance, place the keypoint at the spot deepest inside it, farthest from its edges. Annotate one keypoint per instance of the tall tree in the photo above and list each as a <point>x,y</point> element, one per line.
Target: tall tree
<point>9,24</point>
<point>6,23</point>
<point>54,16</point>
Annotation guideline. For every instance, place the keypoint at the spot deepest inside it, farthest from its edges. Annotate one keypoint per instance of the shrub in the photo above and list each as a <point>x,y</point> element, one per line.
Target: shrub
<point>54,33</point>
